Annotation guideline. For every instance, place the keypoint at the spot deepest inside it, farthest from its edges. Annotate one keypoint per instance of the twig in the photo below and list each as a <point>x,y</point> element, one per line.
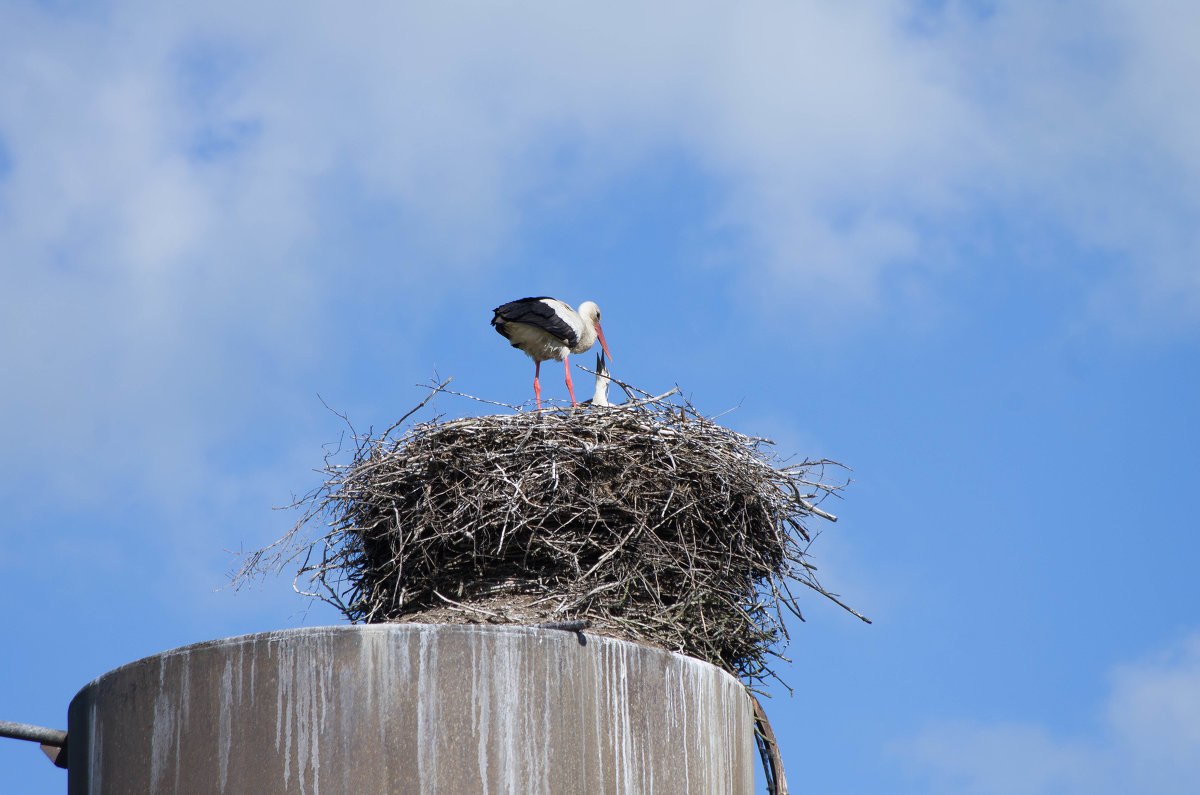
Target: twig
<point>411,412</point>
<point>633,404</point>
<point>629,389</point>
<point>481,400</point>
<point>469,608</point>
<point>808,506</point>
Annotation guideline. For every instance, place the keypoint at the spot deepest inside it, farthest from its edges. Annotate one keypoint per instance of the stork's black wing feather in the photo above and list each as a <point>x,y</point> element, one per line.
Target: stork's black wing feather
<point>532,312</point>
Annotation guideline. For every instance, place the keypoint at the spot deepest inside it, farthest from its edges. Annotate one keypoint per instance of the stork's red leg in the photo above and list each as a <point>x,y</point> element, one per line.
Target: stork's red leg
<point>570,387</point>
<point>537,387</point>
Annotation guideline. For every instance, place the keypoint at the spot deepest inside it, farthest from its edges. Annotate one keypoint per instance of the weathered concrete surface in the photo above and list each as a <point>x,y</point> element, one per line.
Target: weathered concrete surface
<point>412,708</point>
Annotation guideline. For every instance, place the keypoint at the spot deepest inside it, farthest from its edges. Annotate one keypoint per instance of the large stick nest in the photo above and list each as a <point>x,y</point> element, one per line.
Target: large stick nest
<point>648,520</point>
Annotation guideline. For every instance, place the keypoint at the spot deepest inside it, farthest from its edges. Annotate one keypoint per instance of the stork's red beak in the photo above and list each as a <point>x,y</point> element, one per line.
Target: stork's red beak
<point>600,336</point>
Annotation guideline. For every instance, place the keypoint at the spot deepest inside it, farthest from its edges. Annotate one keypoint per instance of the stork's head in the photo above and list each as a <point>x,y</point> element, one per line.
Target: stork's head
<point>591,315</point>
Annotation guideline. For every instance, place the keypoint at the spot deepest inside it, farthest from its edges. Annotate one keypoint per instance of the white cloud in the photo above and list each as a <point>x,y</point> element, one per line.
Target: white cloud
<point>1005,760</point>
<point>181,179</point>
<point>1148,742</point>
<point>850,138</point>
<point>1081,109</point>
<point>1154,716</point>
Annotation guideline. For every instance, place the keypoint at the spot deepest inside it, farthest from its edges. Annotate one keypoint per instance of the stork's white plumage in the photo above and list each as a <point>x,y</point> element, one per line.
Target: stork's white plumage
<point>600,398</point>
<point>546,328</point>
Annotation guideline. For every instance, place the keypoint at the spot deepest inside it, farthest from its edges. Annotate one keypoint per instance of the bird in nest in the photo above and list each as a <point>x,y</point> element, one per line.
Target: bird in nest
<point>546,328</point>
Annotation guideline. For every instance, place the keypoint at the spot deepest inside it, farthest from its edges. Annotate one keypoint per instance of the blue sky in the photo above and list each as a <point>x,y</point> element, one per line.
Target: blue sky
<point>954,245</point>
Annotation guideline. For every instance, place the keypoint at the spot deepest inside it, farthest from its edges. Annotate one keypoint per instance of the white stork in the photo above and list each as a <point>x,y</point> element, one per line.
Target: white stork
<point>600,398</point>
<point>549,329</point>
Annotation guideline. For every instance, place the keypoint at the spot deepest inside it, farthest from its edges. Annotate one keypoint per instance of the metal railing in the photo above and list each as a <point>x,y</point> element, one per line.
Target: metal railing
<point>53,741</point>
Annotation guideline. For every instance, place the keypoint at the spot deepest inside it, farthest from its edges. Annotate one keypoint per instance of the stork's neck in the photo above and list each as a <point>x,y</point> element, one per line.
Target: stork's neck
<point>600,398</point>
<point>588,337</point>
<point>588,314</point>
